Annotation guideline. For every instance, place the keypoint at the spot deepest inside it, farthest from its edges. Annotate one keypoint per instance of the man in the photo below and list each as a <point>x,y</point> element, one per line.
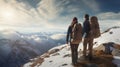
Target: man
<point>87,37</point>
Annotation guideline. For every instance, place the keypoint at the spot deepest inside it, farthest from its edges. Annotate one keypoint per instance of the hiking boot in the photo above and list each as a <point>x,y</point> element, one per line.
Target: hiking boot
<point>90,57</point>
<point>84,56</point>
<point>74,64</point>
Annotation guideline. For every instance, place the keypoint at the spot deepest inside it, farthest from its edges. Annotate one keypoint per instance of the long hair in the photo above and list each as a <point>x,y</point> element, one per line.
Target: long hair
<point>74,21</point>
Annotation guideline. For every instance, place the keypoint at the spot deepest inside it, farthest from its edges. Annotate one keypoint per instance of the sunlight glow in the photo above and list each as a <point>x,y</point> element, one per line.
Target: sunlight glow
<point>7,13</point>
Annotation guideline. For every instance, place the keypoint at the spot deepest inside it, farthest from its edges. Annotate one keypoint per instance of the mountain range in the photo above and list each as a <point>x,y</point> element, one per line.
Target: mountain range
<point>18,48</point>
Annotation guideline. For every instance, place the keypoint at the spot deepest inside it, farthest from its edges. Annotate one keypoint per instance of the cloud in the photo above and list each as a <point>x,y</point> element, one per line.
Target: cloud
<point>108,19</point>
<point>92,4</point>
<point>77,7</point>
<point>45,14</point>
<point>105,24</point>
<point>109,16</point>
<point>47,9</point>
<point>25,16</point>
<point>22,16</point>
<point>31,3</point>
<point>58,36</point>
<point>67,9</point>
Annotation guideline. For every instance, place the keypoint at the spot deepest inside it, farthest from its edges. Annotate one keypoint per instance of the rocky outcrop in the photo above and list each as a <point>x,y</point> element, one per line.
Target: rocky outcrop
<point>100,47</point>
<point>39,60</point>
<point>116,52</point>
<point>53,51</point>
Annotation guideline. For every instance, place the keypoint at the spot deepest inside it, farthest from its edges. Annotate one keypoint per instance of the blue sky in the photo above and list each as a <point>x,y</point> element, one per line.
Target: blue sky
<point>55,15</point>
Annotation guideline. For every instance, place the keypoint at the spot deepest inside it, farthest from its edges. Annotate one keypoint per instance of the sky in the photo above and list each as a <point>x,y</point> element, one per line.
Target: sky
<point>55,15</point>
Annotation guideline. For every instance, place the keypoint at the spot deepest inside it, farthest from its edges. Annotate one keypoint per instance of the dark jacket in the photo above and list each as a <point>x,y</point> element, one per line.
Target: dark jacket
<point>69,31</point>
<point>86,28</point>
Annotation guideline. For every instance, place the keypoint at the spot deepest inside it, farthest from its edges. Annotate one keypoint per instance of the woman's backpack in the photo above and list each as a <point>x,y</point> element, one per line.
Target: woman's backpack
<point>76,34</point>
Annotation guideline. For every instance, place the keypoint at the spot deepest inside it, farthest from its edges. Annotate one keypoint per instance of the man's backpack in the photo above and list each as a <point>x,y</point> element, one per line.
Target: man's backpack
<point>95,29</point>
<point>76,34</point>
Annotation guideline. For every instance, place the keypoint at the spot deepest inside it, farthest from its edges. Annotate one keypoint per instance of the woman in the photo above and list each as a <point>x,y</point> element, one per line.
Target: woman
<point>74,47</point>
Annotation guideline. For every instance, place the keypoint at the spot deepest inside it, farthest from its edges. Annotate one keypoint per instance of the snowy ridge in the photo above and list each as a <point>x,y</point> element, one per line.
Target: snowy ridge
<point>54,58</point>
<point>113,35</point>
<point>62,57</point>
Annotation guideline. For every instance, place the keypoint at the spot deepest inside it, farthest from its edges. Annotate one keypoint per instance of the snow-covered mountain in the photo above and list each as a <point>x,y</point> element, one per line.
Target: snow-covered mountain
<point>60,56</point>
<point>16,48</point>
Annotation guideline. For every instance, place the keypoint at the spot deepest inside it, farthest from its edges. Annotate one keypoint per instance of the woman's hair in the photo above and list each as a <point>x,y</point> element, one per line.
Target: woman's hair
<point>75,20</point>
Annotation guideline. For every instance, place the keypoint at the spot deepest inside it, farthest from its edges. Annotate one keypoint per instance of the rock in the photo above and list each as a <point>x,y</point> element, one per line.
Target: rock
<point>97,61</point>
<point>99,52</point>
<point>116,52</point>
<point>67,55</point>
<point>64,64</point>
<point>111,32</point>
<point>38,61</point>
<point>100,47</point>
<point>53,51</point>
<point>50,61</point>
<point>102,65</point>
<point>91,65</point>
<point>55,54</point>
<point>45,55</point>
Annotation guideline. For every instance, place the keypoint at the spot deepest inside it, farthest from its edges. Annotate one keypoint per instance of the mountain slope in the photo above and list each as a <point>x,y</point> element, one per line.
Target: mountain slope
<point>61,56</point>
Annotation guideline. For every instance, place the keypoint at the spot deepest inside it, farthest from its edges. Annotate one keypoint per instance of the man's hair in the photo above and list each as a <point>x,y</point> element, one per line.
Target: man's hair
<point>87,16</point>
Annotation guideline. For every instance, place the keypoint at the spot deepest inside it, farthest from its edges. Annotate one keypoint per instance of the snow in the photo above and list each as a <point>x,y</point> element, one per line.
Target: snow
<point>28,64</point>
<point>57,47</point>
<point>57,61</point>
<point>107,37</point>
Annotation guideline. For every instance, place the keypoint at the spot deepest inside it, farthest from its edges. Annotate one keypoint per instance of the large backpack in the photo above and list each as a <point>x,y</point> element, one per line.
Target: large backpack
<point>76,34</point>
<point>95,29</point>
